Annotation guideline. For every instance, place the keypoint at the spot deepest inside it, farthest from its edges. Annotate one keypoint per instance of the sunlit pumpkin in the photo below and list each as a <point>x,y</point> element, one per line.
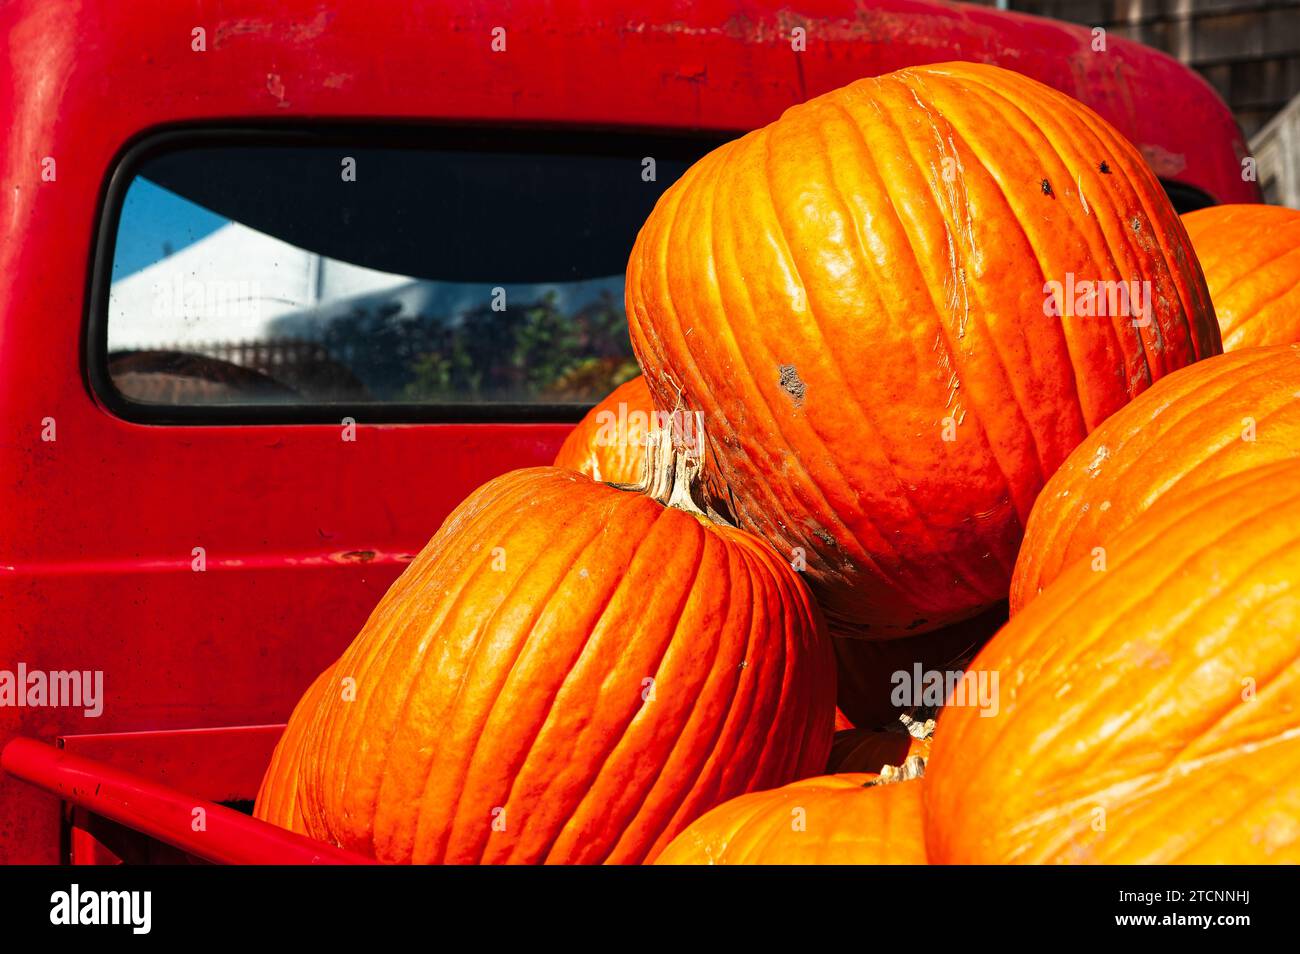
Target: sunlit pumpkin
<point>609,443</point>
<point>568,672</point>
<point>1219,417</point>
<point>831,820</point>
<point>1250,255</point>
<point>1150,713</point>
<point>880,304</point>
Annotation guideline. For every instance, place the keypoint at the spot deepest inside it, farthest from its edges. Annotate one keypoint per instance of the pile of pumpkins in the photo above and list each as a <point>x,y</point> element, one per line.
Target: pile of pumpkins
<point>930,351</point>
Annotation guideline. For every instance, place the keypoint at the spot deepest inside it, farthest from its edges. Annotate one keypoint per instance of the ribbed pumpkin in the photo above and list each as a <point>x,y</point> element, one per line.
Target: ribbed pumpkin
<point>831,820</point>
<point>856,297</point>
<point>1149,713</point>
<point>868,670</point>
<point>609,443</point>
<point>1219,417</point>
<point>277,799</point>
<point>568,672</point>
<point>1250,255</point>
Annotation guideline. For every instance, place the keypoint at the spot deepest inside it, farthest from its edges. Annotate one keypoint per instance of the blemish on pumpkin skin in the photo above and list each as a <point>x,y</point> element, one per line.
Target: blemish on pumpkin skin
<point>792,384</point>
<point>1094,465</point>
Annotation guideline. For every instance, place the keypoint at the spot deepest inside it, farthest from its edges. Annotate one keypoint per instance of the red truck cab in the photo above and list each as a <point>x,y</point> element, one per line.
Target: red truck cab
<point>208,484</point>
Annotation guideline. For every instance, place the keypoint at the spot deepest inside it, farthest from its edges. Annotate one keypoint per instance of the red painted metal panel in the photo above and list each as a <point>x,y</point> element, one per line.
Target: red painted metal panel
<point>225,836</point>
<point>97,526</point>
<point>220,764</point>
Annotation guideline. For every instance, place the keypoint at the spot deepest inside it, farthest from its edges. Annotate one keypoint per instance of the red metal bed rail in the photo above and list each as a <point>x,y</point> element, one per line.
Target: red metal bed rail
<point>226,836</point>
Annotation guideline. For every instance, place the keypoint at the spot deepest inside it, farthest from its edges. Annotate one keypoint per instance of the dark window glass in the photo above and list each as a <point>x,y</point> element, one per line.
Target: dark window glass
<point>471,269</point>
<point>1185,198</point>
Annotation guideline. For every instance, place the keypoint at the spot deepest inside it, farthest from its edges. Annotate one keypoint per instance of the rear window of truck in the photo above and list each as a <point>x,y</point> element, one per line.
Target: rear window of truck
<point>424,275</point>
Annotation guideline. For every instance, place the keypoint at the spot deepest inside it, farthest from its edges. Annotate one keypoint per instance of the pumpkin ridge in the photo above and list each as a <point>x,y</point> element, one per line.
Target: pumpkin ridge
<point>778,233</point>
<point>1281,407</point>
<point>1002,104</point>
<point>1161,271</point>
<point>377,654</point>
<point>669,812</point>
<point>1257,307</point>
<point>1009,382</point>
<point>525,754</point>
<point>388,639</point>
<point>1244,611</point>
<point>952,353</point>
<point>612,749</point>
<point>464,770</point>
<point>1258,266</point>
<point>1244,252</point>
<point>483,628</point>
<point>994,101</point>
<point>774,505</point>
<point>1192,416</point>
<point>717,764</point>
<point>1193,294</point>
<point>385,647</point>
<point>993,447</point>
<point>919,518</point>
<point>1186,762</point>
<point>1144,785</point>
<point>1235,727</point>
<point>699,401</point>
<point>771,818</point>
<point>1078,160</point>
<point>1017,121</point>
<point>754,561</point>
<point>1238,330</point>
<point>1213,385</point>
<point>1062,654</point>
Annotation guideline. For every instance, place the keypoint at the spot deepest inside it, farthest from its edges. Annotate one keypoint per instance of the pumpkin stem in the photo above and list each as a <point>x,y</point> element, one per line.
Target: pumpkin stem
<point>913,767</point>
<point>917,728</point>
<point>672,471</point>
<point>674,465</point>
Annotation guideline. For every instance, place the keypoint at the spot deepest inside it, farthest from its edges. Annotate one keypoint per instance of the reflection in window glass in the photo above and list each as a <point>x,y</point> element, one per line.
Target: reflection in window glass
<point>279,275</point>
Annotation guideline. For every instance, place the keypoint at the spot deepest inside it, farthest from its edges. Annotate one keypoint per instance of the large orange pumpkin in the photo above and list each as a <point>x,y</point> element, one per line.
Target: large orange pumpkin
<point>568,672</point>
<point>1250,255</point>
<point>1149,713</point>
<point>858,299</point>
<point>1221,416</point>
<point>831,820</point>
<point>609,443</point>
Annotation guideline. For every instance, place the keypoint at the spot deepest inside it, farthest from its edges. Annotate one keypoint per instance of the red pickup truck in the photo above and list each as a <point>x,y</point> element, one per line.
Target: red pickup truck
<point>283,282</point>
